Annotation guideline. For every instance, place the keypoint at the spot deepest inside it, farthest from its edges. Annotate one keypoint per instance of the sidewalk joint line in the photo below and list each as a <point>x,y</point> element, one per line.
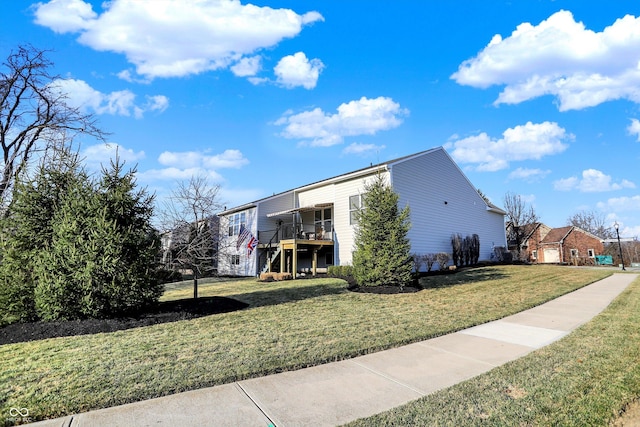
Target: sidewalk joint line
<point>255,402</point>
<point>442,350</point>
<point>421,393</point>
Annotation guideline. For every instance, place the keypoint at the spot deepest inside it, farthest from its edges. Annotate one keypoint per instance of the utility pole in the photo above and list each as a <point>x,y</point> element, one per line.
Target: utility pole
<point>616,226</point>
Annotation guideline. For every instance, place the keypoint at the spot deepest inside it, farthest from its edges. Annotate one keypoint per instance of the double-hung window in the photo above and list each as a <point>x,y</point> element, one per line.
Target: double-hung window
<point>235,221</point>
<point>355,204</point>
<point>322,221</point>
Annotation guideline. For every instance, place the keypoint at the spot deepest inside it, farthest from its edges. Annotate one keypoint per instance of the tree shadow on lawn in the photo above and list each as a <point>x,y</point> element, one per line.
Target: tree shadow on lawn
<point>461,277</point>
<point>163,312</point>
<point>290,294</point>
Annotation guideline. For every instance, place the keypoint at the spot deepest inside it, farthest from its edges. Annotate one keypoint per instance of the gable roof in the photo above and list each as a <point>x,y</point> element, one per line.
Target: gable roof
<point>527,229</point>
<point>556,235</point>
<point>359,172</point>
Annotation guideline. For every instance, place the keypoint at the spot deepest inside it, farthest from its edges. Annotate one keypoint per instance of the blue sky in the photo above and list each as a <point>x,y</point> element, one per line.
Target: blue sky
<point>540,98</point>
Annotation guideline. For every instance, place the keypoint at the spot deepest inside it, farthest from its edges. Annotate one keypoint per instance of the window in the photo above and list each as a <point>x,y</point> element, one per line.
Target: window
<point>534,254</point>
<point>235,221</point>
<point>235,260</point>
<point>591,253</point>
<point>355,204</point>
<point>322,223</point>
<point>328,258</point>
<point>574,253</point>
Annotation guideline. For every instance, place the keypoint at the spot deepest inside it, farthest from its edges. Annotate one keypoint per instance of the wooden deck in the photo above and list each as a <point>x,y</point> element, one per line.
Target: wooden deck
<point>294,245</point>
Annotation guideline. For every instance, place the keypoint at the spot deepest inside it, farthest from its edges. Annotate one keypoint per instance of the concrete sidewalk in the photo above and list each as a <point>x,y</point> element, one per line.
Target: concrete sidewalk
<point>339,392</point>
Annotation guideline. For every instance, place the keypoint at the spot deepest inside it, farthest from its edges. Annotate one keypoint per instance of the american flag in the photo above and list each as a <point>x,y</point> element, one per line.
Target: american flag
<point>242,236</point>
<point>253,242</point>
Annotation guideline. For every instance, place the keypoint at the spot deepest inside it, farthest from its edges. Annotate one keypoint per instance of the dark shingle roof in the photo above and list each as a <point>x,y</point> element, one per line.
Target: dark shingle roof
<point>557,234</point>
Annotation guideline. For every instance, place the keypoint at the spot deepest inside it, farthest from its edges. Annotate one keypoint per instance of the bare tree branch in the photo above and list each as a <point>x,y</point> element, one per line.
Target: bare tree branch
<point>592,221</point>
<point>191,227</point>
<point>33,112</point>
<point>520,219</point>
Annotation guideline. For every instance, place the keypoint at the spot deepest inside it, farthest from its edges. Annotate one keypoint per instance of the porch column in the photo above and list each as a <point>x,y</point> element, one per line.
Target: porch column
<point>295,259</point>
<point>315,261</point>
<point>283,259</point>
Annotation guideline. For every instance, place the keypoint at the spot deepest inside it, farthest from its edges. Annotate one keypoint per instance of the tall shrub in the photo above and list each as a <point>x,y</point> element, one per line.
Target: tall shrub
<point>102,256</point>
<point>456,249</point>
<point>130,281</point>
<point>475,248</point>
<point>92,252</point>
<point>466,250</point>
<point>382,249</point>
<point>27,228</point>
<point>66,285</point>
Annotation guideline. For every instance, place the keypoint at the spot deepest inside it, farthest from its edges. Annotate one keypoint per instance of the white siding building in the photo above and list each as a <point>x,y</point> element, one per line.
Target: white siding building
<point>310,228</point>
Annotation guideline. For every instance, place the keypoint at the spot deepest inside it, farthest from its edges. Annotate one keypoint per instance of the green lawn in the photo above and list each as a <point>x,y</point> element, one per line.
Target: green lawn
<point>289,325</point>
<point>585,379</point>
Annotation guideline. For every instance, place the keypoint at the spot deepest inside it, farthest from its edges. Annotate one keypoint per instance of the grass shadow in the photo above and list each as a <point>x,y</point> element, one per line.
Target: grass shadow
<point>462,277</point>
<point>280,294</point>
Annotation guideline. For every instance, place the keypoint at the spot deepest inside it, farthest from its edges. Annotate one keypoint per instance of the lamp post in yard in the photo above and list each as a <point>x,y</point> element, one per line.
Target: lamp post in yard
<point>616,226</point>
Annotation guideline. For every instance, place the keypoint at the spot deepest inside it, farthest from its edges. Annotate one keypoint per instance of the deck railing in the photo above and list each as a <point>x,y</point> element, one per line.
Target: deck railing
<point>294,231</point>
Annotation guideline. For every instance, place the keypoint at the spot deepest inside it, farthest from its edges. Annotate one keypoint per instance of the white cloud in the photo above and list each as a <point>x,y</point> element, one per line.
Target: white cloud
<point>228,159</point>
<point>529,175</point>
<point>592,181</point>
<point>296,70</point>
<point>177,174</point>
<point>621,204</point>
<point>630,231</point>
<point>362,149</point>
<point>560,57</point>
<point>524,142</point>
<point>258,80</point>
<point>566,184</point>
<point>80,95</point>
<point>184,159</point>
<point>185,164</point>
<point>246,67</point>
<point>157,103</point>
<point>362,117</point>
<point>101,154</point>
<point>64,16</point>
<point>174,38</point>
<point>187,159</point>
<point>634,129</point>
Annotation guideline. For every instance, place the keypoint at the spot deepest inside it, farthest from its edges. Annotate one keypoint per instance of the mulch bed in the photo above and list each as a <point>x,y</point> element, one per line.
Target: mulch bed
<point>384,289</point>
<point>170,311</point>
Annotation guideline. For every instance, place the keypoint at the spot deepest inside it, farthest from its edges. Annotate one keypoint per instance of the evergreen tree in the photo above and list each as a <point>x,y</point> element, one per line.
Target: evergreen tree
<point>102,257</point>
<point>27,228</point>
<point>74,248</point>
<point>64,272</point>
<point>133,283</point>
<point>382,249</point>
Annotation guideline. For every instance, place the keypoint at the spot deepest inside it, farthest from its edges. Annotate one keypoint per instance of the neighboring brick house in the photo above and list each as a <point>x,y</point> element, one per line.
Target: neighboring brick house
<point>532,234</point>
<point>564,245</point>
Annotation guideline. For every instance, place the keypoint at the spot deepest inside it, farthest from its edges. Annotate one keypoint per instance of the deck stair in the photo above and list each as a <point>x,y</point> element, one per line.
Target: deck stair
<point>271,259</point>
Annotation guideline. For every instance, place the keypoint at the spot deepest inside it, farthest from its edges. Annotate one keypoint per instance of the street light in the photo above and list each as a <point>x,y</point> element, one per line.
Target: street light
<point>616,226</point>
